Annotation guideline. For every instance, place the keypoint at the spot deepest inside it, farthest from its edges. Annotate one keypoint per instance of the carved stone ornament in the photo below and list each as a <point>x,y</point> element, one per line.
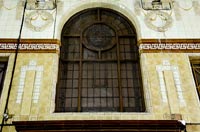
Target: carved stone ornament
<point>40,4</point>
<point>99,37</point>
<point>46,17</point>
<point>153,15</point>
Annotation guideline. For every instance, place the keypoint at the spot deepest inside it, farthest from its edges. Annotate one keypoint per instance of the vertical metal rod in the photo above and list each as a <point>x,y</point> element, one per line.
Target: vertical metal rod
<point>106,79</point>
<point>128,95</point>
<point>113,95</point>
<point>127,89</point>
<point>119,76</point>
<point>94,81</point>
<point>72,87</point>
<point>80,75</point>
<point>14,66</point>
<point>101,85</point>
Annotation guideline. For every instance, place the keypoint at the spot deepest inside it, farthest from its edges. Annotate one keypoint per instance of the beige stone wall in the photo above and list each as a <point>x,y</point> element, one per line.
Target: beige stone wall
<point>193,128</point>
<point>188,104</point>
<point>26,102</point>
<point>184,101</point>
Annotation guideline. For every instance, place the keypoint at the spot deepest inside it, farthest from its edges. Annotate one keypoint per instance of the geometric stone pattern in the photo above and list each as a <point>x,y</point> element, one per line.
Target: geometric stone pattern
<point>29,46</point>
<point>37,81</point>
<point>169,45</point>
<point>163,46</point>
<point>175,70</point>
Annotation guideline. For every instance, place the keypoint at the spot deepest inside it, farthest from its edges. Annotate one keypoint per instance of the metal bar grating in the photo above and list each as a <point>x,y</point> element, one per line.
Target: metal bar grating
<point>99,90</point>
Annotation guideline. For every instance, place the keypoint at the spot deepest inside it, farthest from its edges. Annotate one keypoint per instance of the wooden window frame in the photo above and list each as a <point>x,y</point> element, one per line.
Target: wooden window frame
<point>76,44</point>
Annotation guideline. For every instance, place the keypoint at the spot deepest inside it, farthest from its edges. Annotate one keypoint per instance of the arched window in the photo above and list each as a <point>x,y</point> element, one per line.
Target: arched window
<point>99,68</point>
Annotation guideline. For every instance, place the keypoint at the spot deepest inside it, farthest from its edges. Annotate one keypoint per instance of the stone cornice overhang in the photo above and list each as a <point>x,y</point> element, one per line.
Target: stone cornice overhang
<point>30,45</point>
<point>100,125</point>
<point>169,45</point>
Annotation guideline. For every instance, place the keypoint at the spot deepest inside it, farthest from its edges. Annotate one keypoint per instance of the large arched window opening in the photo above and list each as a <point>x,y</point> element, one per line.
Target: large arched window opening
<point>99,68</point>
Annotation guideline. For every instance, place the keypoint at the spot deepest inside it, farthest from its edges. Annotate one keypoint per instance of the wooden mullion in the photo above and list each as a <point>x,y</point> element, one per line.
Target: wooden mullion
<point>80,75</point>
<point>119,76</point>
<point>98,15</point>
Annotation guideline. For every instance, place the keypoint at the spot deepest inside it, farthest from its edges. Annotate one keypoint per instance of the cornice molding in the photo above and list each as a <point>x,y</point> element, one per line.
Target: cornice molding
<point>169,45</point>
<point>30,45</point>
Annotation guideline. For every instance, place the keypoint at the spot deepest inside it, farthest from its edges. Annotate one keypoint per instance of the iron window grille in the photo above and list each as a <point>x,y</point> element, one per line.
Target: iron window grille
<point>99,67</point>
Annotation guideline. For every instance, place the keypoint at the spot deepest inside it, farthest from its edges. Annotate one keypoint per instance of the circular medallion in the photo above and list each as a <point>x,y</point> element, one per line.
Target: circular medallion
<point>165,18</point>
<point>99,37</point>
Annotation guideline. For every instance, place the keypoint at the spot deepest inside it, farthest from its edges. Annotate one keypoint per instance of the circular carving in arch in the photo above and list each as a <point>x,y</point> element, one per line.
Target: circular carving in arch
<point>99,37</point>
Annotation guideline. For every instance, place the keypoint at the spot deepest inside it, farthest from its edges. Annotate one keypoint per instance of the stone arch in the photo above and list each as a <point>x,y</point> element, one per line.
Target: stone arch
<point>86,5</point>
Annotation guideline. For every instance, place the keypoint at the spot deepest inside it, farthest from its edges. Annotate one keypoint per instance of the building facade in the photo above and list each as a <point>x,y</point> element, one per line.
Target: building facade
<point>100,65</point>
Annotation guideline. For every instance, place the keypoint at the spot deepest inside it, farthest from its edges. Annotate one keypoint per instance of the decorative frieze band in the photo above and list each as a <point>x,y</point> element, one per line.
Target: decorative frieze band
<point>30,45</point>
<point>145,45</point>
<point>170,45</point>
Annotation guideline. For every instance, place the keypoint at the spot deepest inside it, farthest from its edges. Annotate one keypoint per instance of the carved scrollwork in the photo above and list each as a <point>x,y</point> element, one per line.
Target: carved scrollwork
<point>45,16</point>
